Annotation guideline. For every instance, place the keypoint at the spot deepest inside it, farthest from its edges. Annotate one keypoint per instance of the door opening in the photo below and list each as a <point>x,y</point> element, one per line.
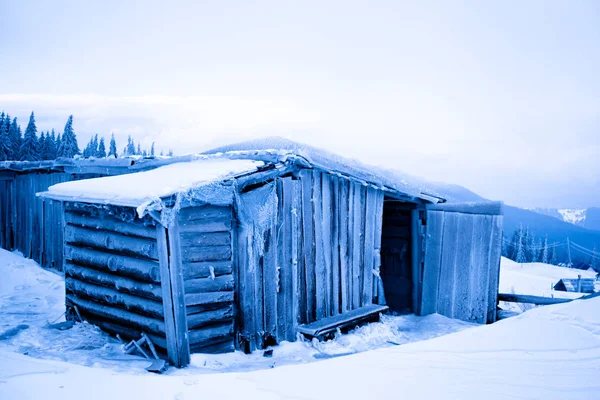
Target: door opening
<point>396,255</point>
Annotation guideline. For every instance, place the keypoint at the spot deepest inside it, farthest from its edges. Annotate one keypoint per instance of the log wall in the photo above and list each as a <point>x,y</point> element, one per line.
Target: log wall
<point>112,272</point>
<point>205,235</point>
<point>320,256</point>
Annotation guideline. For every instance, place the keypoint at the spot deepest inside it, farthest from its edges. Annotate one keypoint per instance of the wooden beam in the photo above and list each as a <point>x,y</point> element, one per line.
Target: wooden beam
<point>526,298</point>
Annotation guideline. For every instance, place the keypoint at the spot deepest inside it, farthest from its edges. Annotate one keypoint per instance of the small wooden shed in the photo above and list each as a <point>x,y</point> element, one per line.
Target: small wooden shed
<point>580,285</point>
<point>246,248</point>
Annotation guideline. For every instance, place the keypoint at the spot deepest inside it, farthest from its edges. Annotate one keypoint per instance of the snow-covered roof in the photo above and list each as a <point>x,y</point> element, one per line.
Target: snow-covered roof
<point>142,188</point>
<point>319,158</point>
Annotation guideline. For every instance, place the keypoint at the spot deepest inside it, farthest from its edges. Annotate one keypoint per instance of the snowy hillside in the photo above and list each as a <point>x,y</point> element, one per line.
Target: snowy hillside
<point>516,357</point>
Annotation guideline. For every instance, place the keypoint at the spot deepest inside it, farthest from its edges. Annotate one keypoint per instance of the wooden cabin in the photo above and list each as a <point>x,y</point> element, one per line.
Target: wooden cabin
<point>580,285</point>
<point>245,249</point>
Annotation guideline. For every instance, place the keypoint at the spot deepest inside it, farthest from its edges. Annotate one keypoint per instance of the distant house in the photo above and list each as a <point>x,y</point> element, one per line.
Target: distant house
<point>245,246</point>
<point>581,285</point>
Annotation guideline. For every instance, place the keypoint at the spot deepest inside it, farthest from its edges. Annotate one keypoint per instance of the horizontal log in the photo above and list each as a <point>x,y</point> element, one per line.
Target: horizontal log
<point>219,346</point>
<point>118,315</point>
<point>205,239</point>
<point>195,321</point>
<point>218,284</point>
<point>111,241</point>
<point>114,298</point>
<point>205,335</point>
<point>110,224</point>
<point>202,269</point>
<point>203,213</point>
<point>525,298</point>
<point>213,253</point>
<point>126,285</point>
<point>215,225</point>
<point>144,270</point>
<point>125,332</point>
<point>203,299</point>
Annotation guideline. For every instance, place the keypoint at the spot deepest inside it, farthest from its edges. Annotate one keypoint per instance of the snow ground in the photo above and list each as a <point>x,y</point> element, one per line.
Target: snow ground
<point>548,352</point>
<point>536,279</point>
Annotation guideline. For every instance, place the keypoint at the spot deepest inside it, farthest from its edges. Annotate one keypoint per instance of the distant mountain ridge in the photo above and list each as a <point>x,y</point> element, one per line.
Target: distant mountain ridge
<point>588,218</point>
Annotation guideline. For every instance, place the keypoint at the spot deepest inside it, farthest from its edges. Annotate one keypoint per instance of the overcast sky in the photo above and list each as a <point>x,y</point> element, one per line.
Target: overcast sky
<point>501,97</point>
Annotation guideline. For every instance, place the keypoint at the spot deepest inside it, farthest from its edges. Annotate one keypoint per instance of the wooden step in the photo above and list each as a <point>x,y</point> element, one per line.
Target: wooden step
<point>328,325</point>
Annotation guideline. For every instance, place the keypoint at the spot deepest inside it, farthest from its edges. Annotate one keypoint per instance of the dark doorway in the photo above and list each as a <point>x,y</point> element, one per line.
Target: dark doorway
<point>396,255</point>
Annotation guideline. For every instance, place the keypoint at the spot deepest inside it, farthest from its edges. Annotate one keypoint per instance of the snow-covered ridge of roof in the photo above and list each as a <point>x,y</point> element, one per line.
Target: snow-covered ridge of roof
<point>143,188</point>
<point>319,158</point>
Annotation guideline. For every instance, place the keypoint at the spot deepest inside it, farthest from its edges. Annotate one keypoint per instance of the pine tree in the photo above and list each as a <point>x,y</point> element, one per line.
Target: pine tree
<point>94,146</point>
<point>4,142</point>
<point>58,144</point>
<point>101,153</point>
<point>51,148</point>
<point>552,256</point>
<point>520,246</point>
<point>138,152</point>
<point>14,134</point>
<point>113,147</point>
<point>130,149</point>
<point>161,153</point>
<point>42,146</point>
<point>544,252</point>
<point>152,150</point>
<point>170,153</point>
<point>69,147</point>
<point>30,150</point>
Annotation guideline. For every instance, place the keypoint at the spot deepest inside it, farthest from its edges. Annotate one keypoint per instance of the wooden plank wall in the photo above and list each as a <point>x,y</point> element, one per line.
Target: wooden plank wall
<point>205,235</point>
<point>112,272</point>
<point>26,223</point>
<point>462,265</point>
<point>319,255</point>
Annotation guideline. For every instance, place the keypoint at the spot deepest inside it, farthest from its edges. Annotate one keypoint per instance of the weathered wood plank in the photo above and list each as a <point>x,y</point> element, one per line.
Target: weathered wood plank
<point>271,278</point>
<point>356,233</point>
<point>369,245</point>
<point>202,299</point>
<point>168,310</point>
<point>205,335</point>
<point>378,234</point>
<point>345,265</point>
<point>447,283</point>
<point>115,298</point>
<point>118,315</point>
<point>203,285</point>
<point>463,267</point>
<point>225,314</point>
<point>298,285</point>
<point>112,241</point>
<point>110,224</point>
<point>222,224</point>
<point>326,221</point>
<point>211,253</point>
<point>205,269</point>
<point>530,299</point>
<point>246,289</point>
<point>433,255</point>
<point>330,324</point>
<point>321,281</point>
<point>125,285</point>
<point>178,294</point>
<point>189,239</point>
<point>288,272</point>
<point>203,213</point>
<point>479,275</point>
<point>308,243</point>
<point>494,267</point>
<point>144,270</point>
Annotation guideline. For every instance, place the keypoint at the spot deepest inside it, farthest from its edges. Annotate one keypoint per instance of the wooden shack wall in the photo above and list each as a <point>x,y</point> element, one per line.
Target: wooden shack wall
<point>462,265</point>
<point>321,254</point>
<point>26,223</point>
<point>206,255</point>
<point>112,272</point>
